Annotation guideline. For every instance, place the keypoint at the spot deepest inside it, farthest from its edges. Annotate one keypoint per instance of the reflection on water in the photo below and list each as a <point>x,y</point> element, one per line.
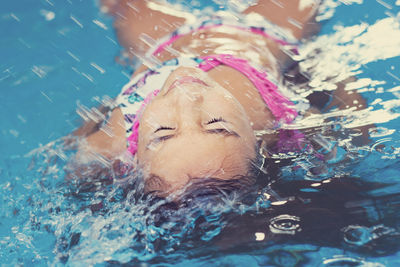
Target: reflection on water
<point>304,210</point>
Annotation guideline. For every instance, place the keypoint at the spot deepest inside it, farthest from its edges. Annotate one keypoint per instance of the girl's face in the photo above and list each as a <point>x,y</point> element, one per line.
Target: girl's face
<point>193,128</point>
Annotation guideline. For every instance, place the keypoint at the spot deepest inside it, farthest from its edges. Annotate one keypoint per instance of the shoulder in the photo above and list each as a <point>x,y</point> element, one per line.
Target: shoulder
<point>109,141</point>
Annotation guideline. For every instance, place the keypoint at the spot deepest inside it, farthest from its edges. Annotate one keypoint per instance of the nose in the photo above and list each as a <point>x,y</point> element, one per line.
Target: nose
<point>191,96</point>
<point>189,101</point>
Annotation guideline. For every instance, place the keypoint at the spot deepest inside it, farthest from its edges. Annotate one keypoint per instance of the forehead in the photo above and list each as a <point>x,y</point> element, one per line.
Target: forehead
<point>211,145</point>
<point>209,156</point>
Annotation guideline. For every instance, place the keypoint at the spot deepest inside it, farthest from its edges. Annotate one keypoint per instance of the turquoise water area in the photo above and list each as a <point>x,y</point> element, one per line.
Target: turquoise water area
<point>57,56</point>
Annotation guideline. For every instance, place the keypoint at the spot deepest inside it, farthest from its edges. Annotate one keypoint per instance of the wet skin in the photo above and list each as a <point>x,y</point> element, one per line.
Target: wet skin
<point>193,128</point>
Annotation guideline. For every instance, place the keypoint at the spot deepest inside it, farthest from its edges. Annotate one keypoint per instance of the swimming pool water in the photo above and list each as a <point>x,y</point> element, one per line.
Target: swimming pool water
<point>57,53</point>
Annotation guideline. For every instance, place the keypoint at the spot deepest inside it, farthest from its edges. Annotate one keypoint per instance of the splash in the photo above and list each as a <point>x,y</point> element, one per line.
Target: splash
<point>328,8</point>
<point>334,58</point>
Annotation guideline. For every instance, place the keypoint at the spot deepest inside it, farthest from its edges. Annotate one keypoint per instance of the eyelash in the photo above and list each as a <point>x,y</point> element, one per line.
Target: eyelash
<point>214,120</point>
<point>163,128</point>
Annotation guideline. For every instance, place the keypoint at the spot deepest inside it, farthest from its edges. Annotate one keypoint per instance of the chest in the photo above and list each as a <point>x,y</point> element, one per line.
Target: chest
<point>255,48</point>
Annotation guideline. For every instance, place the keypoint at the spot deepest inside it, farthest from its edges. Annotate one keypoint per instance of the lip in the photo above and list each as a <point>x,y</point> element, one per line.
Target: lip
<point>183,80</point>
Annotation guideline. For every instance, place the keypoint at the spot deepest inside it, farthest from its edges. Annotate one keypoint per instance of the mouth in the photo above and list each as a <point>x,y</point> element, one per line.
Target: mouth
<point>183,80</point>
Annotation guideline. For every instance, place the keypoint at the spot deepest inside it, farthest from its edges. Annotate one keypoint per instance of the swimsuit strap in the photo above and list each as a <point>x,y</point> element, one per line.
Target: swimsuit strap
<point>281,107</point>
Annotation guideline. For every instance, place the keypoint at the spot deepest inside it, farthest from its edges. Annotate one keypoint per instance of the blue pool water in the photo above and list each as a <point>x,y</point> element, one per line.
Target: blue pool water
<point>56,54</point>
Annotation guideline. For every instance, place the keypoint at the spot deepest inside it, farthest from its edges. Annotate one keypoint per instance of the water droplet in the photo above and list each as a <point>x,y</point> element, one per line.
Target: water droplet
<point>76,21</point>
<point>100,24</point>
<point>285,224</point>
<point>48,15</point>
<point>259,236</point>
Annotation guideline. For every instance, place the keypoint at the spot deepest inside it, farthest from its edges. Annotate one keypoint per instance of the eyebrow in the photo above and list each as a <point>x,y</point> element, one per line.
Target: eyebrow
<point>218,131</point>
<point>222,131</point>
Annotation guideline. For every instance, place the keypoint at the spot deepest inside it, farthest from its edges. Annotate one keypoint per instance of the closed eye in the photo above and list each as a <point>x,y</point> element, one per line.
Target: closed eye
<point>214,120</point>
<point>221,131</point>
<point>161,128</point>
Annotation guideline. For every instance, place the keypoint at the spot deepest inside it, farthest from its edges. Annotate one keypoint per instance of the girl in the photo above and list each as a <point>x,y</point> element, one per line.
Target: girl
<point>206,86</point>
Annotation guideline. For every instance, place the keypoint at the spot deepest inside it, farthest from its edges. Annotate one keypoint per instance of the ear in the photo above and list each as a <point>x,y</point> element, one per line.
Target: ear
<point>124,166</point>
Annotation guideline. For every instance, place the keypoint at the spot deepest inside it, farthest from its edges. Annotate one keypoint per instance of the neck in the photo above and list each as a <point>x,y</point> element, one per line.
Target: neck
<point>247,95</point>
